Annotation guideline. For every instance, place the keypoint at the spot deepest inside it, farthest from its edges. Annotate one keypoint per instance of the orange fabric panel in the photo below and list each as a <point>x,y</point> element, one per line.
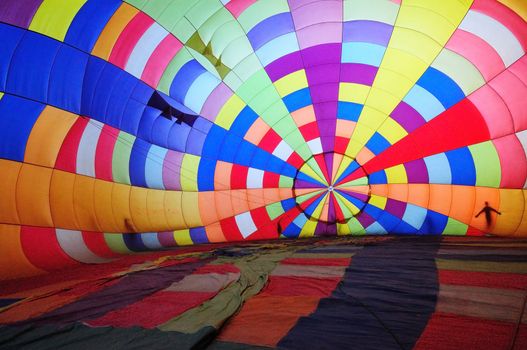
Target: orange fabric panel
<point>463,198</point>
<point>419,194</point>
<point>138,209</point>
<point>511,207</point>
<point>364,156</point>
<point>485,194</point>
<point>103,204</point>
<point>207,207</point>
<point>50,130</point>
<point>239,201</point>
<point>222,176</point>
<point>32,196</point>
<point>155,201</point>
<point>112,30</point>
<point>13,261</point>
<point>257,131</point>
<point>84,203</point>
<point>255,198</point>
<point>190,205</point>
<point>61,200</point>
<point>8,211</point>
<point>398,192</point>
<point>121,205</point>
<point>174,210</point>
<point>522,228</point>
<point>223,204</point>
<point>440,198</point>
<point>215,233</point>
<point>305,116</point>
<point>379,190</point>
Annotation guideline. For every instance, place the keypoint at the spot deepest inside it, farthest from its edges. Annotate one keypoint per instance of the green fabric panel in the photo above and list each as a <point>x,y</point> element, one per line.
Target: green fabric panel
<point>214,23</point>
<point>248,66</point>
<point>254,272</point>
<point>137,3</point>
<point>155,8</point>
<point>182,29</point>
<point>116,243</point>
<point>454,227</point>
<point>121,158</point>
<point>274,210</point>
<point>237,50</point>
<point>264,99</point>
<point>483,266</point>
<point>275,113</point>
<point>202,11</point>
<point>487,163</point>
<point>285,182</point>
<point>261,10</point>
<point>304,151</point>
<point>356,227</point>
<point>253,85</point>
<point>232,81</point>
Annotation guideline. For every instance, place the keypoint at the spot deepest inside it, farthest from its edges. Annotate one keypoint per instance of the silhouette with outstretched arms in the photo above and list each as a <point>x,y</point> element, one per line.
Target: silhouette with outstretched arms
<point>487,209</point>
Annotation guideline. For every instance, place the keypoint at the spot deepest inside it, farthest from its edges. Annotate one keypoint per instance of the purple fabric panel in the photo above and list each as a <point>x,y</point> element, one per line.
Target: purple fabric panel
<point>395,207</point>
<point>324,93</point>
<point>166,239</point>
<point>365,220</point>
<point>332,215</point>
<point>285,65</point>
<point>324,73</point>
<point>322,54</point>
<point>306,184</point>
<point>270,28</point>
<point>416,171</point>
<point>130,289</point>
<point>328,158</point>
<point>358,73</point>
<point>367,31</point>
<point>215,101</point>
<point>324,229</point>
<point>408,117</point>
<point>172,169</point>
<point>18,12</point>
<point>326,110</point>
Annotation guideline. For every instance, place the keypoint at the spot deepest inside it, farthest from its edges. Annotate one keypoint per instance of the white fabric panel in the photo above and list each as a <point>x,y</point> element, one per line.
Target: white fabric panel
<point>73,244</point>
<point>255,178</point>
<point>144,49</point>
<point>315,146</point>
<point>283,150</point>
<point>495,34</point>
<point>245,224</point>
<point>87,148</point>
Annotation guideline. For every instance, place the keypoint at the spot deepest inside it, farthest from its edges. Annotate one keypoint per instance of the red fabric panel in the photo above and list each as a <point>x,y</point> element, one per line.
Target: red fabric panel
<point>104,153</point>
<point>309,131</point>
<point>317,262</point>
<point>126,42</point>
<point>513,161</point>
<point>298,286</point>
<point>295,160</point>
<point>152,311</point>
<point>67,157</point>
<point>271,180</point>
<point>446,331</point>
<point>341,143</point>
<point>230,229</point>
<point>521,338</point>
<point>97,244</point>
<point>270,141</point>
<point>42,248</point>
<point>459,126</point>
<point>483,279</point>
<point>239,176</point>
<point>161,57</point>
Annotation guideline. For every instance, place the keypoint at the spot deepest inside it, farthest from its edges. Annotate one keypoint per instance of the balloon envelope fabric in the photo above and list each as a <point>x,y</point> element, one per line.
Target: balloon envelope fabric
<point>137,125</point>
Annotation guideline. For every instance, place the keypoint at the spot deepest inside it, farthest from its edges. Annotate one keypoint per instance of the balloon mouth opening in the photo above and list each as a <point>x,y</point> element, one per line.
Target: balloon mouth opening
<point>331,188</point>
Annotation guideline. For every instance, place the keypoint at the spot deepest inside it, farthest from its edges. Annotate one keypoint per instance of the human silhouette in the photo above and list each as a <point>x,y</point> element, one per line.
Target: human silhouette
<point>487,209</point>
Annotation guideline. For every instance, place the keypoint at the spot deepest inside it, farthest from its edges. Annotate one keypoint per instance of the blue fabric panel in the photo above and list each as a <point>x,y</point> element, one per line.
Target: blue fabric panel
<point>243,121</point>
<point>288,204</point>
<point>276,165</point>
<point>17,117</point>
<point>404,228</point>
<point>291,231</point>
<point>11,36</point>
<point>378,177</point>
<point>388,221</point>
<point>184,79</point>
<point>288,169</point>
<point>179,134</point>
<point>66,79</point>
<point>142,92</point>
<point>377,143</point>
<point>260,159</point>
<point>434,223</point>
<point>244,154</point>
<point>462,166</point>
<point>270,28</point>
<point>351,168</point>
<point>198,235</point>
<point>206,170</point>
<point>120,97</point>
<point>138,156</point>
<point>349,111</point>
<point>161,131</point>
<point>195,142</point>
<point>89,22</point>
<point>146,125</point>
<point>442,87</point>
<point>304,177</point>
<point>311,208</point>
<point>297,99</point>
<point>230,144</point>
<point>91,77</point>
<point>356,202</point>
<point>134,242</point>
<point>31,66</point>
<point>202,124</point>
<point>214,138</point>
<point>108,81</point>
<point>132,117</point>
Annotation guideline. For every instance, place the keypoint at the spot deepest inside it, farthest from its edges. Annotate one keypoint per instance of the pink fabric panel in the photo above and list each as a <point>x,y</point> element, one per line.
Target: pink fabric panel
<point>236,7</point>
<point>172,169</point>
<point>126,42</point>
<point>494,111</point>
<point>513,91</point>
<point>215,101</point>
<point>318,12</point>
<point>322,33</point>
<point>477,51</point>
<point>157,63</point>
<point>513,161</point>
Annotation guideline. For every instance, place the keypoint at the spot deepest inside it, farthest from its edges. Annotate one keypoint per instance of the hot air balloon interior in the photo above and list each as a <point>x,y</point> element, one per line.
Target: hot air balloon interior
<point>263,174</point>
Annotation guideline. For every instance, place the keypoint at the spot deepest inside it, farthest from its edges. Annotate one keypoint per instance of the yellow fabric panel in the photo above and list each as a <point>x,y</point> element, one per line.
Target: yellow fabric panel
<point>174,211</point>
<point>8,210</point>
<point>155,201</point>
<point>103,204</point>
<point>427,21</point>
<point>50,129</point>
<point>32,196</point>
<point>189,172</point>
<point>383,100</point>
<point>378,201</point>
<point>373,118</point>
<point>121,205</point>
<point>1,95</point>
<point>138,209</point>
<point>452,10</point>
<point>351,92</point>
<point>13,261</point>
<point>182,237</point>
<point>308,230</point>
<point>84,203</point>
<point>104,45</point>
<point>61,200</point>
<point>54,17</point>
<point>396,174</point>
<point>394,78</point>
<point>511,206</point>
<point>229,112</point>
<point>190,204</point>
<point>518,6</point>
<point>292,82</point>
<point>392,131</point>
